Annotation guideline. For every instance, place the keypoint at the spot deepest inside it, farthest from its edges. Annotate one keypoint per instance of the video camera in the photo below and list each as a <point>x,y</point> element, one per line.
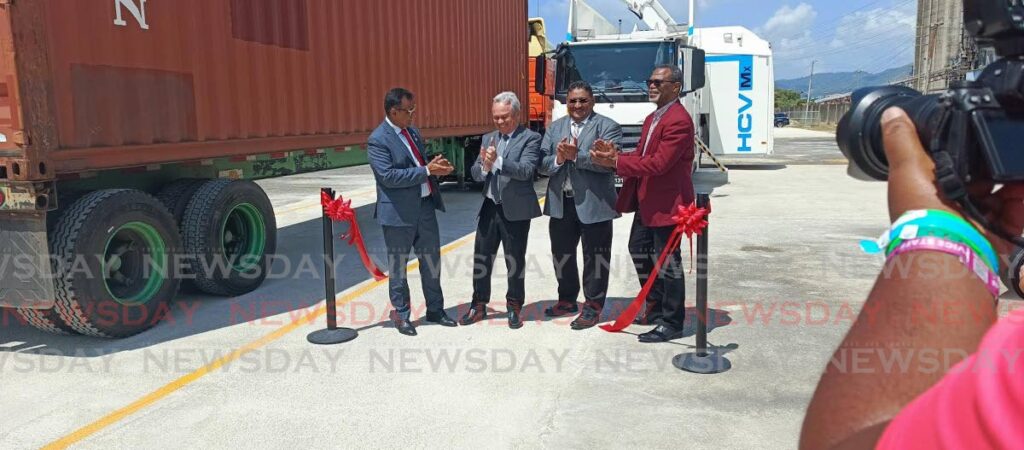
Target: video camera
<point>973,131</point>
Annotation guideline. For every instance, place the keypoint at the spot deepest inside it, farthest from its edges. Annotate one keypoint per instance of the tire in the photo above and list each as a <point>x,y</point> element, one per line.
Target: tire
<point>47,320</point>
<point>176,194</point>
<point>115,254</point>
<point>228,230</point>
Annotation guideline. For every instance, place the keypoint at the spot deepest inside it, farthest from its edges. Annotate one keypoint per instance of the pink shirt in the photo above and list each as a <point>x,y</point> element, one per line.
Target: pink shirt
<point>978,404</point>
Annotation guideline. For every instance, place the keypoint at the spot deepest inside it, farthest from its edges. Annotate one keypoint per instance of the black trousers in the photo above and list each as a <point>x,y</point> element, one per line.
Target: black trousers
<point>666,302</point>
<point>493,230</point>
<point>424,240</point>
<point>597,251</point>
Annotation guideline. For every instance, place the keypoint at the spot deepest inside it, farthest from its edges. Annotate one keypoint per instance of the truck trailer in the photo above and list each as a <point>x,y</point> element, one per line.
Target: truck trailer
<point>131,131</point>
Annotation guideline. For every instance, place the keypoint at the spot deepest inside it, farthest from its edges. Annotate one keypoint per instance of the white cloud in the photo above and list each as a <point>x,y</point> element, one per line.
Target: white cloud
<point>788,22</point>
<point>878,24</point>
<point>872,40</point>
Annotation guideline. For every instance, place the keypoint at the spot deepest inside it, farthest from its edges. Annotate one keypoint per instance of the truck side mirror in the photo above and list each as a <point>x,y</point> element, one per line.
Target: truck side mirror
<point>693,69</point>
<point>540,71</point>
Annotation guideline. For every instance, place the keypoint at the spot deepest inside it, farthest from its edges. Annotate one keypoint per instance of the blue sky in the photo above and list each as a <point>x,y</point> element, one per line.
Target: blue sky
<point>847,35</point>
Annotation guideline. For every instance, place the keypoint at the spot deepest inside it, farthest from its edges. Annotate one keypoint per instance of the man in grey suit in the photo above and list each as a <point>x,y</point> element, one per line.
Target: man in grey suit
<point>407,197</point>
<point>506,165</point>
<point>581,202</point>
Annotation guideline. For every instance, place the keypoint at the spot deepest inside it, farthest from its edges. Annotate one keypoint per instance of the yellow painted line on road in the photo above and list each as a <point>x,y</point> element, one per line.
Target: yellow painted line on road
<point>308,205</point>
<point>169,388</point>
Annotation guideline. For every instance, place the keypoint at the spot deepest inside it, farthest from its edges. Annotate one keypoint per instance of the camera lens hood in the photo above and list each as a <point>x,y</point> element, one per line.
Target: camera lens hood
<point>859,132</point>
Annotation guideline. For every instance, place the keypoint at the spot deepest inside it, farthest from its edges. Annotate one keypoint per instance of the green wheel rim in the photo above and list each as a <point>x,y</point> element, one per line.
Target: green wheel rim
<point>244,237</point>
<point>134,263</point>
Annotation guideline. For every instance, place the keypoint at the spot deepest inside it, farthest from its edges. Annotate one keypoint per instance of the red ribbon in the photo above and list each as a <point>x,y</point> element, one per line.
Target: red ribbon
<point>690,220</point>
<point>340,210</point>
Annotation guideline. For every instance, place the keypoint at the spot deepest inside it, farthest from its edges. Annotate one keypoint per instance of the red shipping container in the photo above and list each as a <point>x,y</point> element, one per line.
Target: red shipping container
<point>97,84</point>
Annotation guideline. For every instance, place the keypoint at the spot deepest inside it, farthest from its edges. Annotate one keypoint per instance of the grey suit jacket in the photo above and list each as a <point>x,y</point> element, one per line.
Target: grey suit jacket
<point>521,157</point>
<point>398,177</point>
<point>593,186</point>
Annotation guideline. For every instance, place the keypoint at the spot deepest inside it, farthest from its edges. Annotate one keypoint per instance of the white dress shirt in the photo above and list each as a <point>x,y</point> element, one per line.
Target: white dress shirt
<point>575,130</point>
<point>503,140</point>
<point>425,187</point>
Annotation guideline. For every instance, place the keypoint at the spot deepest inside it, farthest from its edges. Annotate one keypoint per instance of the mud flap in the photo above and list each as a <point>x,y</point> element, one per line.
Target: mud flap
<point>26,279</point>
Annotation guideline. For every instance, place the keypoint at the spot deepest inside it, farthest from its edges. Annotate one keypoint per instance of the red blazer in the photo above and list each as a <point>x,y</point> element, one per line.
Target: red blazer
<point>654,184</point>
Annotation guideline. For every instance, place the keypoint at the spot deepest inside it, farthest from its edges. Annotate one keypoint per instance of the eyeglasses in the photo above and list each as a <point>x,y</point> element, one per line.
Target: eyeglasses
<point>658,83</point>
<point>578,101</point>
<point>411,111</point>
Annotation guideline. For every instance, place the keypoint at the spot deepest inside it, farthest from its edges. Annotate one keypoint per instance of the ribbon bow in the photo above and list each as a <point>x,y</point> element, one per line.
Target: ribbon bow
<point>690,220</point>
<point>340,210</point>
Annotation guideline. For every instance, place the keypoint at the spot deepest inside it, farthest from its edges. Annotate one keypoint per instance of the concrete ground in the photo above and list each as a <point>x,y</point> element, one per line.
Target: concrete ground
<point>786,281</point>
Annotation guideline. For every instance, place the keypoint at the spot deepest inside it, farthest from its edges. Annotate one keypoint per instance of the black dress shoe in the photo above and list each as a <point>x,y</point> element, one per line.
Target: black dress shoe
<point>441,318</point>
<point>661,333</point>
<point>514,321</point>
<point>587,319</point>
<point>646,320</point>
<point>474,315</point>
<point>405,327</point>
<point>561,309</point>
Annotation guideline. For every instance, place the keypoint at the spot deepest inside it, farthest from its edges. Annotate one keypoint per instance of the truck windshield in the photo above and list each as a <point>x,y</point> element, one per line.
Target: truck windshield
<point>619,68</point>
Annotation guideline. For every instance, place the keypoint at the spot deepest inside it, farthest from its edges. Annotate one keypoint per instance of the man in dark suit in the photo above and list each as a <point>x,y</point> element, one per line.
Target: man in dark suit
<point>657,179</point>
<point>581,203</point>
<point>506,166</point>
<point>407,197</point>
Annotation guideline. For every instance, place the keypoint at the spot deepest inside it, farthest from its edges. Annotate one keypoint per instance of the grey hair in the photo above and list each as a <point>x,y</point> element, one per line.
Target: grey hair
<point>509,98</point>
<point>677,73</point>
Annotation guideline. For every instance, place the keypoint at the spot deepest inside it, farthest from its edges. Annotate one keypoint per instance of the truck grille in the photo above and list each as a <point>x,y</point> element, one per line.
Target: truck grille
<point>630,137</point>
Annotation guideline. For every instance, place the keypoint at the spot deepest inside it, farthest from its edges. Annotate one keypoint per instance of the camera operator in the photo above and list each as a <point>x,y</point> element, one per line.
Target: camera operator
<point>979,402</point>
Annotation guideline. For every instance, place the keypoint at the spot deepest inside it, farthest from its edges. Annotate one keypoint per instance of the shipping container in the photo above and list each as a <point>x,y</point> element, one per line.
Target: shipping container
<point>185,99</point>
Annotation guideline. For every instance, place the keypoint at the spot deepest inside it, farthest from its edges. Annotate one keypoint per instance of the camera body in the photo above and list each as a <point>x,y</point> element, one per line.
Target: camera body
<point>974,130</point>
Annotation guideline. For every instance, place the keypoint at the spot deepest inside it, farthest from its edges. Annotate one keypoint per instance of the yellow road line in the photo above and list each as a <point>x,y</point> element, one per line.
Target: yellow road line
<point>306,205</point>
<point>185,380</point>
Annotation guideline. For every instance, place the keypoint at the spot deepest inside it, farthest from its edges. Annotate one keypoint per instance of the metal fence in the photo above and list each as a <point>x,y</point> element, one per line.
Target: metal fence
<point>827,114</point>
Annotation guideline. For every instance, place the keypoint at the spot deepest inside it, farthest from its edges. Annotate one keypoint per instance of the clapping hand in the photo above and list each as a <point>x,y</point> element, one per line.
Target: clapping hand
<point>439,166</point>
<point>488,156</point>
<point>604,153</point>
<point>566,151</point>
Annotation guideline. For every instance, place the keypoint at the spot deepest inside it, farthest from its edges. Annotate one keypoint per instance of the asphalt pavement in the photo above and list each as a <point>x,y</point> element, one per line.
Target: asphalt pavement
<point>786,282</point>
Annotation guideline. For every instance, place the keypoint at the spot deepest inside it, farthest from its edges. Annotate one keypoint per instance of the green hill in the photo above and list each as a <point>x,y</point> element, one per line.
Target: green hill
<point>830,83</point>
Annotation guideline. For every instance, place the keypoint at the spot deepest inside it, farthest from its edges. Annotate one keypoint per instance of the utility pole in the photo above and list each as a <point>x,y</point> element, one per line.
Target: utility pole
<point>810,80</point>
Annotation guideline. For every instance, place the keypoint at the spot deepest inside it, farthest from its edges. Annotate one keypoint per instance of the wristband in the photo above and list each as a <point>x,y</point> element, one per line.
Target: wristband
<point>964,254</point>
<point>923,223</point>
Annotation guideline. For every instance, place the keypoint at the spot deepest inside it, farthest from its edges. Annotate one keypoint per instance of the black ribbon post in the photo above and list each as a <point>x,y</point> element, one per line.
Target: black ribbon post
<point>332,334</point>
<point>704,361</point>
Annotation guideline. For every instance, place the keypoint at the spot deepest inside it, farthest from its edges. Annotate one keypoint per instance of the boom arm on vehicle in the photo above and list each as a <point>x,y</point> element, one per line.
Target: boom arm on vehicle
<point>653,13</point>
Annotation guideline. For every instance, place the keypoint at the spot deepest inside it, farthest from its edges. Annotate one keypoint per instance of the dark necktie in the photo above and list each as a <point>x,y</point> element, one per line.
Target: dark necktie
<point>419,156</point>
<point>502,147</point>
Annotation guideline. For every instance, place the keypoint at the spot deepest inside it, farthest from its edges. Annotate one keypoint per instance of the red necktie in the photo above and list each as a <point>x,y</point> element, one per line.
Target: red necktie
<point>419,156</point>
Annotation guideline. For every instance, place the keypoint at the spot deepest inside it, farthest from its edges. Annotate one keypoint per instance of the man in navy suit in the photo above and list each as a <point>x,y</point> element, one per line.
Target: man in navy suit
<point>407,198</point>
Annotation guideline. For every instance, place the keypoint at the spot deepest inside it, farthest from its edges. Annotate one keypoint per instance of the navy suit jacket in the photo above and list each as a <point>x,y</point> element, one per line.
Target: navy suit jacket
<point>398,177</point>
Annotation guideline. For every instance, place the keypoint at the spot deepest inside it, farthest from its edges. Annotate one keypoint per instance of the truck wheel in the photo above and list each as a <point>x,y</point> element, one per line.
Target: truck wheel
<point>115,259</point>
<point>47,320</point>
<point>176,194</point>
<point>228,230</point>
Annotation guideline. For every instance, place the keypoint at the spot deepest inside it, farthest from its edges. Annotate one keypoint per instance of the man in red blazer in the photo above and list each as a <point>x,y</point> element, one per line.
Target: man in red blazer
<point>657,179</point>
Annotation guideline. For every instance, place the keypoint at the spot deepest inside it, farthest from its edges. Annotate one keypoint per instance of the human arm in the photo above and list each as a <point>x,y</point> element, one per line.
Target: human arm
<point>853,407</point>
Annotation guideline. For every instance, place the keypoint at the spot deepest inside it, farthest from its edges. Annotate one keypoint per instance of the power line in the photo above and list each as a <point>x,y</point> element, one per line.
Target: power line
<point>875,40</point>
<point>820,27</point>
